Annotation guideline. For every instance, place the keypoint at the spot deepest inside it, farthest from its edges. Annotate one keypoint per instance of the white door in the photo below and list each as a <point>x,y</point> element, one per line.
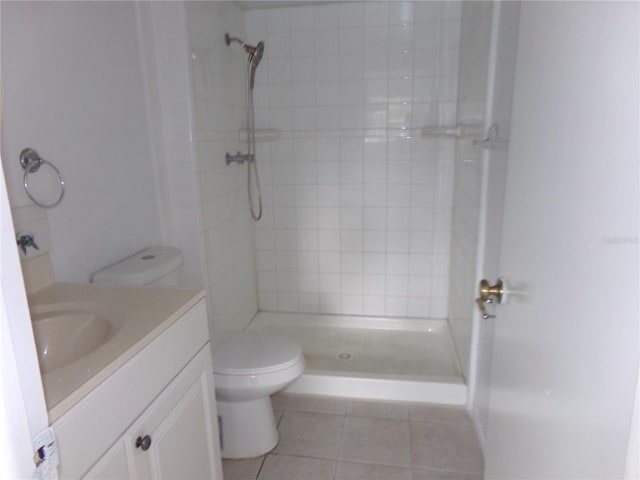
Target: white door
<point>565,350</point>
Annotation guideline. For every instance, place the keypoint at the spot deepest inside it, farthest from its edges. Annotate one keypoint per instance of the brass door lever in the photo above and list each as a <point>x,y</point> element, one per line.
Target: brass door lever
<point>483,310</point>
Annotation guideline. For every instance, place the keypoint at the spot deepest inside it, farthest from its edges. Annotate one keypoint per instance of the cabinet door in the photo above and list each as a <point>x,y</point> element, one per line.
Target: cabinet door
<point>113,464</point>
<point>181,428</point>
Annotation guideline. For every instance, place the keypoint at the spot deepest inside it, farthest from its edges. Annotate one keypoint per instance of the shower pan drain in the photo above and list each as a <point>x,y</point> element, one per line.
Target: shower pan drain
<point>344,356</point>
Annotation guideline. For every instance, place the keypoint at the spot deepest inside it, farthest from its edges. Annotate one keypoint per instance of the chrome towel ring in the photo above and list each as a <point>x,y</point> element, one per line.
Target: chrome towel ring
<point>31,163</point>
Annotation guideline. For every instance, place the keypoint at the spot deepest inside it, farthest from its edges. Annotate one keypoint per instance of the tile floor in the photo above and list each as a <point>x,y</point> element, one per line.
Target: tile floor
<point>330,438</point>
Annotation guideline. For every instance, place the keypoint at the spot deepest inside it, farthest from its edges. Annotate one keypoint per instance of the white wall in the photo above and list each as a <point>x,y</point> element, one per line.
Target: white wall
<point>73,90</point>
<point>357,203</point>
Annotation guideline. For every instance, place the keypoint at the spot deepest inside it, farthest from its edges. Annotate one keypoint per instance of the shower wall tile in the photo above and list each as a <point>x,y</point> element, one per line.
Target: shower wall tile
<point>357,203</point>
<point>218,114</point>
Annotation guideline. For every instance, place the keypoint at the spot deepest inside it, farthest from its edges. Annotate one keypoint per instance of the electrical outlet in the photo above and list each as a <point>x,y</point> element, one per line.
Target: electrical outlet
<point>45,454</point>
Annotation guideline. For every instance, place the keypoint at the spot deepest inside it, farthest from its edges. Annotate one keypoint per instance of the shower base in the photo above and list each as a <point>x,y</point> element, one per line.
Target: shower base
<point>371,357</point>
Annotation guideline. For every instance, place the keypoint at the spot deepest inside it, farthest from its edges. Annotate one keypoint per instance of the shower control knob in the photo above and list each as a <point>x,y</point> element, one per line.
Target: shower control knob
<point>143,442</point>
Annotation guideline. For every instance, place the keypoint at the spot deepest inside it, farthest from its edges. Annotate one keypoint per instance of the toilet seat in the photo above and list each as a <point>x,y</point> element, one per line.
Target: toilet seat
<point>249,353</point>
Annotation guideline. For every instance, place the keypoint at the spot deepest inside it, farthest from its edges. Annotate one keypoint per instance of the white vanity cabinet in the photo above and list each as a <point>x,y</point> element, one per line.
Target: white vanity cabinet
<point>161,400</point>
<point>170,439</point>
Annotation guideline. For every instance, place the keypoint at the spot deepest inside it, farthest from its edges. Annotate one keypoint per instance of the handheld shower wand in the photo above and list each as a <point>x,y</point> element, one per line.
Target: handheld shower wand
<point>255,56</point>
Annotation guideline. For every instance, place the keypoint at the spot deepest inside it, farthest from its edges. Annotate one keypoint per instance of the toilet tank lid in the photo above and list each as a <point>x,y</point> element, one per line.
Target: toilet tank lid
<point>141,268</point>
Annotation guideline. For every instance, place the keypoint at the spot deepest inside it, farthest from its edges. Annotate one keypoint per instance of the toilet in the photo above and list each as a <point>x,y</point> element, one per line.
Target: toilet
<point>247,367</point>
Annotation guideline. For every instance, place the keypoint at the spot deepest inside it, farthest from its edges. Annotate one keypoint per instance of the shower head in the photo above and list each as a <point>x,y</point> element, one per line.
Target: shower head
<point>255,55</point>
<point>254,59</point>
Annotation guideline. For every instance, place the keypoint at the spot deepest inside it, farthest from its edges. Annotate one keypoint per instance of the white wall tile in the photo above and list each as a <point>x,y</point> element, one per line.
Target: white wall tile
<point>287,302</point>
<point>327,42</point>
<point>330,303</point>
<point>309,302</point>
<point>375,241</point>
<point>329,283</point>
<point>396,306</point>
<point>396,285</point>
<point>375,218</point>
<point>301,19</point>
<point>419,307</point>
<point>362,206</point>
<point>397,264</point>
<point>398,241</point>
<point>268,301</point>
<point>352,304</point>
<point>278,20</point>
<point>373,284</point>
<point>329,261</point>
<point>329,217</point>
<point>373,305</point>
<point>308,282</point>
<point>420,286</point>
<point>351,40</point>
<point>376,13</point>
<point>401,13</point>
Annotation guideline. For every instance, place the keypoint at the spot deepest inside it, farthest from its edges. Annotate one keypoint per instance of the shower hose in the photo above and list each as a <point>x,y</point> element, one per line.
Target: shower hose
<point>251,148</point>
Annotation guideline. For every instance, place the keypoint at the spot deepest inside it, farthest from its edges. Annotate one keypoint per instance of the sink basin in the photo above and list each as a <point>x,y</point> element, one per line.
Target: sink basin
<point>66,333</point>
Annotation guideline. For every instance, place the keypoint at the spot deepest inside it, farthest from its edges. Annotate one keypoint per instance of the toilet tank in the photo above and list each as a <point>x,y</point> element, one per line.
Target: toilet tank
<point>154,266</point>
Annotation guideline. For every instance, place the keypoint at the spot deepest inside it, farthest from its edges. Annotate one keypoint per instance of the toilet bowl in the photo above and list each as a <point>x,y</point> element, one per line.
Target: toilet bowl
<point>249,367</point>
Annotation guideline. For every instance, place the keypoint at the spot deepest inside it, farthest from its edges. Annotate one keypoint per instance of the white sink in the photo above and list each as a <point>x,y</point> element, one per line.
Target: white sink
<point>66,333</point>
<point>84,333</point>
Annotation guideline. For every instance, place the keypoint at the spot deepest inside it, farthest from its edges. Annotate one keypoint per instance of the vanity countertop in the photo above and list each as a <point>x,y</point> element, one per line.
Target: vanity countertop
<point>140,314</point>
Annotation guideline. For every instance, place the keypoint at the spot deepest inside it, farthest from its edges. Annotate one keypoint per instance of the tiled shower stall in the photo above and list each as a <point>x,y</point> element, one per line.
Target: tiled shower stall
<point>369,209</point>
<point>363,204</point>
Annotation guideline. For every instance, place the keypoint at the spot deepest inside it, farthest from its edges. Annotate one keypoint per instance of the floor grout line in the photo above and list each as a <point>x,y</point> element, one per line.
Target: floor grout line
<point>264,458</point>
<point>341,440</point>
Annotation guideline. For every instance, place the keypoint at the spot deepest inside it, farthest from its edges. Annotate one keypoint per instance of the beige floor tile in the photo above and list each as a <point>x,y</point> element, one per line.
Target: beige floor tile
<point>370,471</point>
<point>241,469</point>
<point>285,467</point>
<point>438,413</point>
<point>445,446</point>
<point>376,440</point>
<point>419,474</point>
<point>317,404</point>
<point>371,408</point>
<point>310,434</point>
